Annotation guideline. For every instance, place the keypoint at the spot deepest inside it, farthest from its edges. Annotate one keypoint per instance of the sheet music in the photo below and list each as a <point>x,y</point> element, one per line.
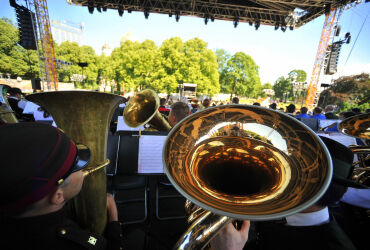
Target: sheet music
<point>325,123</point>
<point>122,126</point>
<point>150,154</point>
<point>339,137</point>
<point>30,108</point>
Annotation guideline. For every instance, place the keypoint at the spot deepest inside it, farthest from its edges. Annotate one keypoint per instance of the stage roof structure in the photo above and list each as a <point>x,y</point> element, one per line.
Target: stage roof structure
<point>278,13</point>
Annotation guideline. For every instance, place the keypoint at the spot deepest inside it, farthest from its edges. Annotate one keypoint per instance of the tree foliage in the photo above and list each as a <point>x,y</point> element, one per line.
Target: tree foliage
<point>14,59</point>
<point>239,74</point>
<point>283,86</point>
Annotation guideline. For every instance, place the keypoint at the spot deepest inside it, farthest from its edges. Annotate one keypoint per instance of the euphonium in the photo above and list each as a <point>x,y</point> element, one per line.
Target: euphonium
<point>6,113</point>
<point>85,116</point>
<point>244,162</point>
<point>359,127</point>
<point>143,109</point>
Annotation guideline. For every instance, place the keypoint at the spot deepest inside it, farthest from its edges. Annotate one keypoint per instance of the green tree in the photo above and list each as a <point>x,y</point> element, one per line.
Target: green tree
<point>298,75</point>
<point>283,88</point>
<point>75,54</point>
<point>241,75</point>
<point>14,59</point>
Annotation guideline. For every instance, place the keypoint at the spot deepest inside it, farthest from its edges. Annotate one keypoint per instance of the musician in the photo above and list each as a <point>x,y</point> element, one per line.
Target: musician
<point>40,172</point>
<point>18,104</point>
<point>329,109</point>
<point>179,110</point>
<point>314,227</point>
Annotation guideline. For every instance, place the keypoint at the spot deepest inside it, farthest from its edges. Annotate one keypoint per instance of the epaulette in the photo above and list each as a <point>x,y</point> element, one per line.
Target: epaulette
<point>83,238</point>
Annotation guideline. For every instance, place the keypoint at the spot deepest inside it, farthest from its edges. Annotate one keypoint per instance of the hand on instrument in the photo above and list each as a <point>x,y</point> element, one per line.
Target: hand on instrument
<point>111,208</point>
<point>229,238</point>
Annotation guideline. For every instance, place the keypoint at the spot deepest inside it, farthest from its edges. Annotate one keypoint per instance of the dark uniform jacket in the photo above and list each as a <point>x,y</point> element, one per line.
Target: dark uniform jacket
<point>55,231</point>
<point>331,116</point>
<point>328,236</point>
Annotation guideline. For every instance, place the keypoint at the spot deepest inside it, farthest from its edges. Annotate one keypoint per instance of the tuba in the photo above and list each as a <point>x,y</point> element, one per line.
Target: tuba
<point>359,127</point>
<point>6,113</point>
<point>143,109</point>
<point>246,163</point>
<point>85,116</point>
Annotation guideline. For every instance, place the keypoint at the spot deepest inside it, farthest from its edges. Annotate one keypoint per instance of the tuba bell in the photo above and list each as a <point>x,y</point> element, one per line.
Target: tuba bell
<point>85,116</point>
<point>359,127</point>
<point>246,163</point>
<point>143,109</point>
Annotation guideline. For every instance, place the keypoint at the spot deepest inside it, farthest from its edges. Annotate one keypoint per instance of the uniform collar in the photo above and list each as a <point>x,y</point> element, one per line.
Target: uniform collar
<point>309,219</point>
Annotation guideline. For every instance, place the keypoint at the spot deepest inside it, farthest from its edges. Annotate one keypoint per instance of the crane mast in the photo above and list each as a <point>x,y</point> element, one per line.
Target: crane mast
<point>331,20</point>
<point>48,55</point>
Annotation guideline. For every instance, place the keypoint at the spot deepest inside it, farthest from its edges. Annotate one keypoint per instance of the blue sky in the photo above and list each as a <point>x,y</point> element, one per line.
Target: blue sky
<point>276,52</point>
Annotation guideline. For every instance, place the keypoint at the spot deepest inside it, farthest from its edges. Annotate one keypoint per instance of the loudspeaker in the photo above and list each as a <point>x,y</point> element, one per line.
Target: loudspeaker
<point>25,26</point>
<point>36,84</point>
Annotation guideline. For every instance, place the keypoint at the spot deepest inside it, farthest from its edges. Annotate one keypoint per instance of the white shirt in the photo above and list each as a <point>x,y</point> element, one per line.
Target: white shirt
<point>39,116</point>
<point>21,104</point>
<point>357,197</point>
<point>309,219</point>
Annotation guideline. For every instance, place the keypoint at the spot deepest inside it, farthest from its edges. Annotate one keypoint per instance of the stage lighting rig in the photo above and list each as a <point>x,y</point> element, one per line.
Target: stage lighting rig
<point>276,26</point>
<point>170,14</point>
<point>206,20</point>
<point>177,17</point>
<point>146,14</point>
<point>283,28</point>
<point>129,10</point>
<point>257,24</point>
<point>91,9</point>
<point>250,23</point>
<point>236,22</point>
<point>98,8</point>
<point>212,19</point>
<point>120,11</point>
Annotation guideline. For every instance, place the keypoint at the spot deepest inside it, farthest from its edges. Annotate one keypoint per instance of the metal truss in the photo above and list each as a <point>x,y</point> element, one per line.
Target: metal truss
<point>267,12</point>
<point>47,44</point>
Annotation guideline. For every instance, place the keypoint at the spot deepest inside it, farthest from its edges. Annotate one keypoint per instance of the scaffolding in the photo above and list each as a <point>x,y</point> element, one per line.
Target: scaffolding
<point>331,21</point>
<point>47,44</point>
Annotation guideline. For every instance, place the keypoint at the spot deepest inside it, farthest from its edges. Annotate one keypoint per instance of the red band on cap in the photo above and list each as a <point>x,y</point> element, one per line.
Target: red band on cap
<point>48,187</point>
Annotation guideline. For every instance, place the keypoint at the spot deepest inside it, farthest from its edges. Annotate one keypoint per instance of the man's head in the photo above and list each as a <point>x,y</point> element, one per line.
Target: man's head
<point>329,108</point>
<point>235,100</point>
<point>40,167</point>
<point>206,103</point>
<point>317,111</point>
<point>15,92</point>
<point>162,101</point>
<point>256,104</point>
<point>290,109</point>
<point>304,110</point>
<point>179,110</point>
<point>273,106</point>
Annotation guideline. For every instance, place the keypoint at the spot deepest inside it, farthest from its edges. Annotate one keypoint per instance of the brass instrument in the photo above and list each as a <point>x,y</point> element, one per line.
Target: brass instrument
<point>6,113</point>
<point>244,162</point>
<point>85,116</point>
<point>359,127</point>
<point>143,109</point>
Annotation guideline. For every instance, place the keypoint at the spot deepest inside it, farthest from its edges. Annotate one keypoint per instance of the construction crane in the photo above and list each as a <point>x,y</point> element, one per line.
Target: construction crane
<point>43,23</point>
<point>328,32</point>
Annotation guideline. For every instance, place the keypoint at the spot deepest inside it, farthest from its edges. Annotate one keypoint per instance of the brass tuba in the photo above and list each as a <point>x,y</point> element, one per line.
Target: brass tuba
<point>85,116</point>
<point>244,162</point>
<point>359,127</point>
<point>6,113</point>
<point>143,109</point>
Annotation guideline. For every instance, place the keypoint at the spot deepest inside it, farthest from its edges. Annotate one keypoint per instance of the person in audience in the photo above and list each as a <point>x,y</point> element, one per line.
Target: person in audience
<point>356,110</point>
<point>235,100</point>
<point>273,106</point>
<point>194,105</point>
<point>179,110</point>
<point>290,109</point>
<point>17,103</point>
<point>206,102</point>
<point>315,227</point>
<point>40,172</point>
<point>303,113</point>
<point>317,114</point>
<point>162,107</point>
<point>329,109</point>
<point>256,104</point>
